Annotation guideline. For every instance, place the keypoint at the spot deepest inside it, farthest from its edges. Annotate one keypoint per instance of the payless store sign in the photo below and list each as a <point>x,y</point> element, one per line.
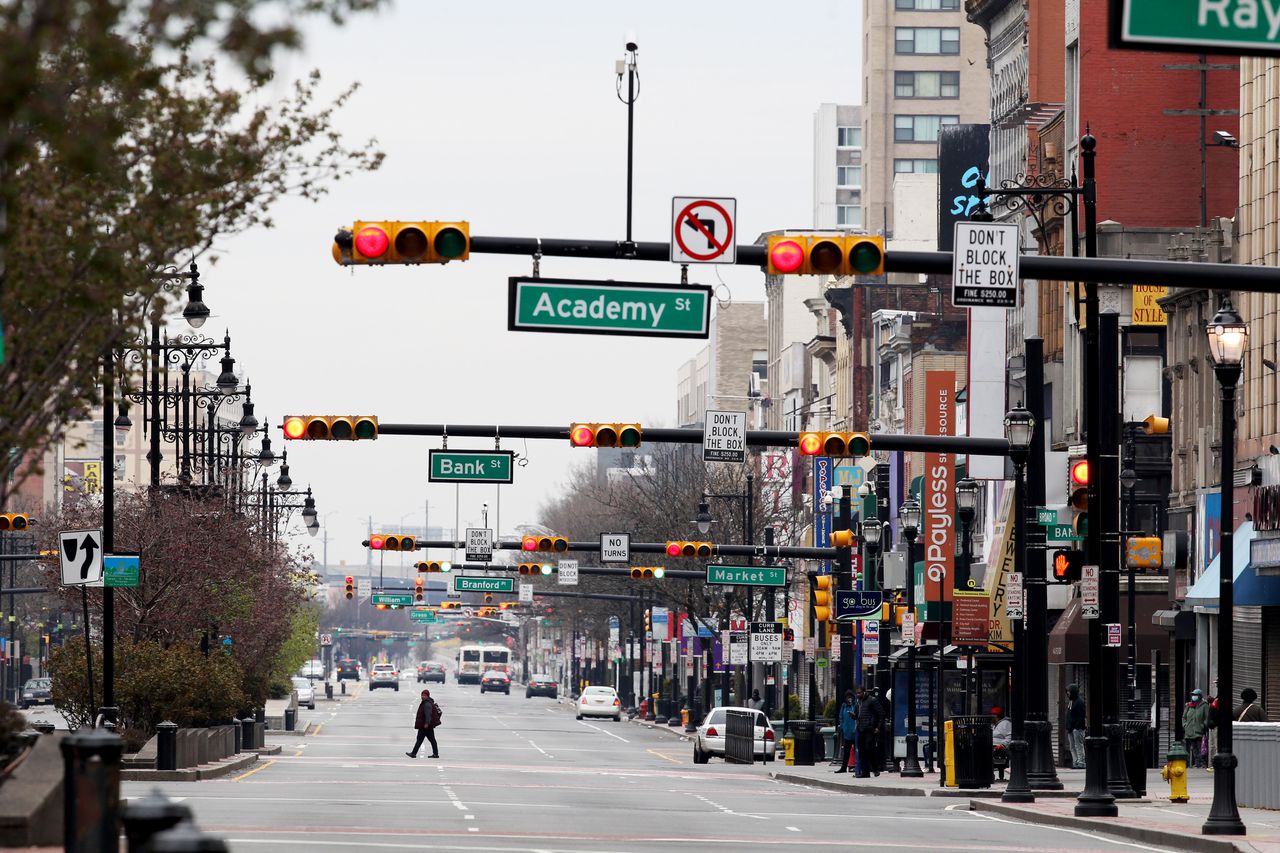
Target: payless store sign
<point>938,489</point>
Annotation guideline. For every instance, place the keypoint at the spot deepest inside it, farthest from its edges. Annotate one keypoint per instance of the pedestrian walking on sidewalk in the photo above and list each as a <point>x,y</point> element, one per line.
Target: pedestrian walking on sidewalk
<point>1195,728</point>
<point>1249,711</point>
<point>427,720</point>
<point>847,719</point>
<point>1076,725</point>
<point>870,719</point>
<point>756,703</point>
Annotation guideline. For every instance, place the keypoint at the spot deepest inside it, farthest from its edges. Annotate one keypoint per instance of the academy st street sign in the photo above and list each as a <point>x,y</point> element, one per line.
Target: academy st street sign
<point>608,308</point>
<point>1236,27</point>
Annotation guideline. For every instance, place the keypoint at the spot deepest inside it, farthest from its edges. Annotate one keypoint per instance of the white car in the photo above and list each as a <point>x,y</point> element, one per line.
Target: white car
<point>384,675</point>
<point>312,669</point>
<point>709,740</point>
<point>599,702</point>
<point>306,691</point>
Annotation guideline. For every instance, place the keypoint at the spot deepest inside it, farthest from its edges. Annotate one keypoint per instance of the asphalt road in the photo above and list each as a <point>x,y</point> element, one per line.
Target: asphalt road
<point>524,775</point>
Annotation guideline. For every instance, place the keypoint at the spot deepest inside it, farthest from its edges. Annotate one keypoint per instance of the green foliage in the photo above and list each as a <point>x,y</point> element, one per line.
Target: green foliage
<point>829,709</point>
<point>794,711</point>
<point>301,645</point>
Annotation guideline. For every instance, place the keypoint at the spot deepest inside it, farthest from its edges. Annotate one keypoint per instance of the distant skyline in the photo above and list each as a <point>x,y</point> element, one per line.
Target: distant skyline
<point>507,116</point>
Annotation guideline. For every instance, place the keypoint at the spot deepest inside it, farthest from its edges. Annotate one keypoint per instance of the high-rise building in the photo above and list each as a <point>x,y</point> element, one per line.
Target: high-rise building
<point>837,166</point>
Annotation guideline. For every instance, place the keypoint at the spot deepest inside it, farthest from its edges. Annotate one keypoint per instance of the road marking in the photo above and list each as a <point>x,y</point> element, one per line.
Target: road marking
<point>1093,836</point>
<point>955,806</point>
<point>728,811</point>
<point>254,770</point>
<point>319,726</point>
<point>468,817</point>
<point>664,755</point>
<point>793,828</point>
<point>602,731</point>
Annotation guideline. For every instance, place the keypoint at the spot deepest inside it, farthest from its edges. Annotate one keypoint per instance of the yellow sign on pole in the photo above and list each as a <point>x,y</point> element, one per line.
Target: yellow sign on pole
<point>1142,552</point>
<point>1146,310</point>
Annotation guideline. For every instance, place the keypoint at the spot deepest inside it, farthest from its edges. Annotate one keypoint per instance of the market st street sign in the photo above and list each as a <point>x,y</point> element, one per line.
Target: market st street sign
<point>608,308</point>
<point>1236,27</point>
<point>747,575</point>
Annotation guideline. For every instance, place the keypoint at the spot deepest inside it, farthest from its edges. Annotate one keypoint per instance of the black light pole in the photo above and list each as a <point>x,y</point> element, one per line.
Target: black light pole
<point>1228,335</point>
<point>909,519</point>
<point>1018,427</point>
<point>968,493</point>
<point>1129,481</point>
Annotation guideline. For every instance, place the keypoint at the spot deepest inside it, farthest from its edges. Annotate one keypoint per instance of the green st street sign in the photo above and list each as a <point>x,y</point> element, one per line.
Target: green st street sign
<point>461,583</point>
<point>1248,27</point>
<point>608,308</point>
<point>399,598</point>
<point>423,615</point>
<point>470,466</point>
<point>1061,533</point>
<point>747,575</point>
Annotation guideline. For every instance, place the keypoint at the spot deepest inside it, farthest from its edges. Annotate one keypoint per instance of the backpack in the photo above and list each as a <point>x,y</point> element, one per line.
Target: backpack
<point>436,714</point>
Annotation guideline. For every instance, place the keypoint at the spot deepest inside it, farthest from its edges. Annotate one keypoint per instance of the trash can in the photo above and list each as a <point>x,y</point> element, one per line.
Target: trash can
<point>973,768</point>
<point>1134,742</point>
<point>802,735</point>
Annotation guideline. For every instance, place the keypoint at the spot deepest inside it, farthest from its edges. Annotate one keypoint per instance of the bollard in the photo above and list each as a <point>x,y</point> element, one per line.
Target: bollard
<point>237,733</point>
<point>260,715</point>
<point>290,719</point>
<point>183,838</point>
<point>246,740</point>
<point>167,746</point>
<point>152,814</point>
<point>343,685</point>
<point>328,690</point>
<point>91,791</point>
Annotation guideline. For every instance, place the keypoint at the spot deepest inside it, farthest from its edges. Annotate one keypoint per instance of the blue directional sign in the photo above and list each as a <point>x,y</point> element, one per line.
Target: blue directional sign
<point>853,604</point>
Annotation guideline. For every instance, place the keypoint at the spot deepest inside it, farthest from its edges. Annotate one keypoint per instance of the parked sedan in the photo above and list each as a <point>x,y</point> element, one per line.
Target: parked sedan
<point>37,691</point>
<point>710,738</point>
<point>306,690</point>
<point>599,702</point>
<point>541,685</point>
<point>495,680</point>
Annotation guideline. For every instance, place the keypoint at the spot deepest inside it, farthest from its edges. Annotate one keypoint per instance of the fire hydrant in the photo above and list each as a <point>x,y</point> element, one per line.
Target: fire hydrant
<point>1175,773</point>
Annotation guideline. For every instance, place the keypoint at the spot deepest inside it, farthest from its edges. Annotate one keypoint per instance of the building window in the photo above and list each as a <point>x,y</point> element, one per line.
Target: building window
<point>926,84</point>
<point>920,128</point>
<point>943,41</point>
<point>848,137</point>
<point>917,165</point>
<point>849,215</point>
<point>926,5</point>
<point>849,177</point>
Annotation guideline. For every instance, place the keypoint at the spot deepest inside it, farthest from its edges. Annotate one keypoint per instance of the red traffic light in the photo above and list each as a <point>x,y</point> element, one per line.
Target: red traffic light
<point>786,256</point>
<point>376,542</point>
<point>372,241</point>
<point>1080,472</point>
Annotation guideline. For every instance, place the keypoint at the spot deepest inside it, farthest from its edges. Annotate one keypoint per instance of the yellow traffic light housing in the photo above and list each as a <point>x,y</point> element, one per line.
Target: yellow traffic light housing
<point>647,573</point>
<point>14,521</point>
<point>822,610</point>
<point>399,542</point>
<point>433,566</point>
<point>1155,425</point>
<point>350,591</point>
<point>553,544</point>
<point>418,588</point>
<point>853,444</point>
<point>842,538</point>
<point>825,254</point>
<point>701,550</point>
<point>330,427</point>
<point>605,435</point>
<point>387,242</point>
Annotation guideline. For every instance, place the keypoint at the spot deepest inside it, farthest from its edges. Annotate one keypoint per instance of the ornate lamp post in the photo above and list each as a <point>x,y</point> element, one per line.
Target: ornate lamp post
<point>1018,428</point>
<point>967,494</point>
<point>909,519</point>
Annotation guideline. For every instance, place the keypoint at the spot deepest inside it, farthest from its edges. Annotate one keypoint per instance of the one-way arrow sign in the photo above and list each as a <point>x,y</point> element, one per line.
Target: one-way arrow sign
<point>81,554</point>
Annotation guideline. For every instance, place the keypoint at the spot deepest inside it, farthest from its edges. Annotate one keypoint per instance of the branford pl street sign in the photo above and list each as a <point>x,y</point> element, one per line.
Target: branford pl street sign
<point>1237,27</point>
<point>608,308</point>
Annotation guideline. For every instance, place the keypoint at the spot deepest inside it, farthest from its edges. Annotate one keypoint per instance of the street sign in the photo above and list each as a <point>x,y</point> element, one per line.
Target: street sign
<point>855,475</point>
<point>1061,533</point>
<point>120,571</point>
<point>608,308</point>
<point>326,639</point>
<point>908,629</point>
<point>747,575</point>
<point>810,649</point>
<point>470,466</point>
<point>81,554</point>
<point>615,548</point>
<point>526,593</point>
<point>1197,26</point>
<point>364,588</point>
<point>702,230</point>
<point>1013,596</point>
<point>855,604</point>
<point>984,271</point>
<point>471,583</point>
<point>422,614</point>
<point>765,642</point>
<point>1113,635</point>
<point>971,618</point>
<point>1046,515</point>
<point>834,652</point>
<point>479,545</point>
<point>567,573</point>
<point>1089,592</point>
<point>398,598</point>
<point>724,437</point>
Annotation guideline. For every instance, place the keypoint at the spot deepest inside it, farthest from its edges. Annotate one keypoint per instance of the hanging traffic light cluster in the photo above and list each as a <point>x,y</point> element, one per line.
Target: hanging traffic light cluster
<point>535,568</point>
<point>450,605</point>
<point>389,242</point>
<point>647,573</point>
<point>701,550</point>
<point>418,589</point>
<point>824,254</point>
<point>14,521</point>
<point>605,435</point>
<point>821,591</point>
<point>834,444</point>
<point>350,591</point>
<point>433,566</point>
<point>330,427</point>
<point>544,543</point>
<point>393,542</point>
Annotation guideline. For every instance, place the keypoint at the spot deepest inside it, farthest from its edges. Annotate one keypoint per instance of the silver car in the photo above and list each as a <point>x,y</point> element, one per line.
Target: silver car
<point>37,691</point>
<point>709,740</point>
<point>306,690</point>
<point>599,702</point>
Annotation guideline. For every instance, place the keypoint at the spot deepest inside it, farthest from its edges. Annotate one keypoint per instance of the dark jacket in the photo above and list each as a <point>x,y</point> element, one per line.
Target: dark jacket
<point>870,714</point>
<point>1249,713</point>
<point>426,712</point>
<point>1076,715</point>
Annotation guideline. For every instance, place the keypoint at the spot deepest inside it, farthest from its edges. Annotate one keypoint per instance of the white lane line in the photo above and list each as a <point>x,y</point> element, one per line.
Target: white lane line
<point>602,731</point>
<point>793,828</point>
<point>1092,836</point>
<point>540,749</point>
<point>468,817</point>
<point>955,806</point>
<point>177,799</point>
<point>728,811</point>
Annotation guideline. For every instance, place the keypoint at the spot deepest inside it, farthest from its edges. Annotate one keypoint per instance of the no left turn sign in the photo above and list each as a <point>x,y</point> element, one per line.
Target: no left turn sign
<point>702,230</point>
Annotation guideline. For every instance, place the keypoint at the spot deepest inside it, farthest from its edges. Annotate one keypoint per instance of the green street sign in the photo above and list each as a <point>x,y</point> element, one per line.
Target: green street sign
<point>1236,27</point>
<point>120,571</point>
<point>822,663</point>
<point>470,466</point>
<point>608,308</point>
<point>1062,533</point>
<point>402,599</point>
<point>1045,515</point>
<point>461,583</point>
<point>423,615</point>
<point>747,575</point>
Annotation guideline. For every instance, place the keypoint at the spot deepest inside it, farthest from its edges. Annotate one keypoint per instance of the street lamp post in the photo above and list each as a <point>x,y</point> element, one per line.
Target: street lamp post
<point>967,494</point>
<point>1129,481</point>
<point>909,518</point>
<point>1228,335</point>
<point>1018,429</point>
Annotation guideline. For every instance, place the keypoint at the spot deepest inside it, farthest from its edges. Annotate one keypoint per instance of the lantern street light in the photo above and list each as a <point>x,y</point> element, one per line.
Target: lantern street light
<point>909,519</point>
<point>1019,426</point>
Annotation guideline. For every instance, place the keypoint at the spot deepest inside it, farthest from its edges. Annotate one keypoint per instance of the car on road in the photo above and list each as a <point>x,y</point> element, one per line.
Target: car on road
<point>430,670</point>
<point>495,680</point>
<point>312,669</point>
<point>37,691</point>
<point>597,701</point>
<point>348,670</point>
<point>710,737</point>
<point>541,684</point>
<point>306,690</point>
<point>384,675</point>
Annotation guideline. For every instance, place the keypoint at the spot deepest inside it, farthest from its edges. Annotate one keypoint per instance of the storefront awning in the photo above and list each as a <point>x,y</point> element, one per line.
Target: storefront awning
<point>1069,639</point>
<point>1249,590</point>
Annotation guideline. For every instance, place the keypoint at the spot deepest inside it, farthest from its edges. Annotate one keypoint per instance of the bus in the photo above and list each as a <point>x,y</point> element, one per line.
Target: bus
<point>474,661</point>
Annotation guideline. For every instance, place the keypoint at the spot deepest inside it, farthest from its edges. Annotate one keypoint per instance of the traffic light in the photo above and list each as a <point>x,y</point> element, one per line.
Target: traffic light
<point>508,605</point>
<point>788,635</point>
<point>350,591</point>
<point>380,606</point>
<point>544,543</point>
<point>389,242</point>
<point>397,542</point>
<point>648,620</point>
<point>842,538</point>
<point>834,444</point>
<point>822,610</point>
<point>330,427</point>
<point>823,254</point>
<point>417,588</point>
<point>689,549</point>
<point>605,435</point>
<point>433,566</point>
<point>1155,425</point>
<point>647,573</point>
<point>14,521</point>
<point>488,597</point>
<point>1067,565</point>
<point>1078,484</point>
<point>450,605</point>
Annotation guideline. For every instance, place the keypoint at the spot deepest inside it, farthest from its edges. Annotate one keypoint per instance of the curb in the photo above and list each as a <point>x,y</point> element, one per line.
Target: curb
<point>1104,826</point>
<point>675,730</point>
<point>191,774</point>
<point>832,785</point>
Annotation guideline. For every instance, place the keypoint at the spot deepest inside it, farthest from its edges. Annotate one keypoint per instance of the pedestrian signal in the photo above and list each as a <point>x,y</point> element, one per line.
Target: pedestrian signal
<point>544,543</point>
<point>605,435</point>
<point>1067,565</point>
<point>822,254</point>
<point>350,591</point>
<point>701,550</point>
<point>390,242</point>
<point>330,427</point>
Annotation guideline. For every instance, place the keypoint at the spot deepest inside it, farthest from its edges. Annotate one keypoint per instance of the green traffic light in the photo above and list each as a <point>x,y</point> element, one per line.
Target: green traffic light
<point>450,243</point>
<point>366,428</point>
<point>859,446</point>
<point>865,257</point>
<point>629,437</point>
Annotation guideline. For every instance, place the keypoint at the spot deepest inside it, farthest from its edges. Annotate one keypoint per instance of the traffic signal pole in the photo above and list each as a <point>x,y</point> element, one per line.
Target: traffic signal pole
<point>844,581</point>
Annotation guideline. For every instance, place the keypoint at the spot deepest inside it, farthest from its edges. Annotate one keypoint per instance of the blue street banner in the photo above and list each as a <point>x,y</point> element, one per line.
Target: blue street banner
<point>823,474</point>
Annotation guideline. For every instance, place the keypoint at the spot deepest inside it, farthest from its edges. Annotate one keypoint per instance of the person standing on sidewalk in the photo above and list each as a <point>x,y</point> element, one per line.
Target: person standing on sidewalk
<point>870,718</point>
<point>1076,726</point>
<point>1249,711</point>
<point>426,721</point>
<point>848,720</point>
<point>1195,726</point>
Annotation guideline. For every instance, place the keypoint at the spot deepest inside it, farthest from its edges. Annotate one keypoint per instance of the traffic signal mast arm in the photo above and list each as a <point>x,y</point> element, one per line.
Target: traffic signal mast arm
<point>779,552</point>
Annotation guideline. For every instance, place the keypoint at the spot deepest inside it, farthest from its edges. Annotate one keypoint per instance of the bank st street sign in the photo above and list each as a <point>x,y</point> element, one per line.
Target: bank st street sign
<point>1236,27</point>
<point>608,308</point>
<point>470,466</point>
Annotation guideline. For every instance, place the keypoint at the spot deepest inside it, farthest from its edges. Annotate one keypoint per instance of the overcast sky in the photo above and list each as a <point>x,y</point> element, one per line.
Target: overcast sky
<point>504,114</point>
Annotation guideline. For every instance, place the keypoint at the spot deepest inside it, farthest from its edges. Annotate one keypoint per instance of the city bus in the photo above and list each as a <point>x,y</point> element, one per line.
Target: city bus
<point>474,661</point>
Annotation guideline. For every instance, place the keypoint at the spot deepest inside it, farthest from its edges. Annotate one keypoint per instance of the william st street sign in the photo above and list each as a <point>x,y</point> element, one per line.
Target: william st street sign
<point>400,599</point>
<point>747,575</point>
<point>1236,27</point>
<point>608,308</point>
<point>470,466</point>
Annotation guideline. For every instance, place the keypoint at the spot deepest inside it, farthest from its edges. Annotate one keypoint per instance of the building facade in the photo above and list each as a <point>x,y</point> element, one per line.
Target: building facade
<point>837,166</point>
